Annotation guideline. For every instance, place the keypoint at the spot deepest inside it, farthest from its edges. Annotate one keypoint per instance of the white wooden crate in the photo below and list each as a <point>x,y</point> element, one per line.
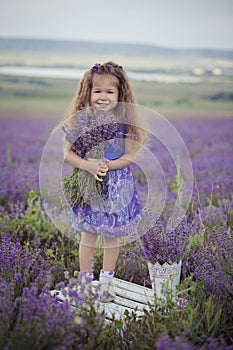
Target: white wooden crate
<point>128,297</point>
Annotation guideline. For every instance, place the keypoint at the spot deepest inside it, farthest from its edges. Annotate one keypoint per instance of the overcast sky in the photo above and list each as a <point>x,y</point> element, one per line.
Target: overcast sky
<point>168,23</point>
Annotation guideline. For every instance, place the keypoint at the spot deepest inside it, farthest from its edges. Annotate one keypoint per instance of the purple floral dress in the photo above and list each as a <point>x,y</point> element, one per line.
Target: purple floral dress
<point>122,211</point>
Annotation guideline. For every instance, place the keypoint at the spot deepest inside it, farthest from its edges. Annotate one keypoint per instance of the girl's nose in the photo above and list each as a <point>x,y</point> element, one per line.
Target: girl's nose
<point>103,96</point>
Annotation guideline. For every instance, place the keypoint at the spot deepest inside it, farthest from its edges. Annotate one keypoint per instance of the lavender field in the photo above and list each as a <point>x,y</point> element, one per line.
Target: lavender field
<point>35,257</point>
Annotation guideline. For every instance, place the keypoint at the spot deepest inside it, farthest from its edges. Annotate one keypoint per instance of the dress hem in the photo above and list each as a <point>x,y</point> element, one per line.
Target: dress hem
<point>104,232</point>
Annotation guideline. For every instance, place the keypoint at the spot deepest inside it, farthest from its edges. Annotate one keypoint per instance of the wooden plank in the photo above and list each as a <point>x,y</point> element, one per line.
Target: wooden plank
<point>133,291</point>
<point>115,311</point>
<point>133,286</point>
<point>131,303</point>
<point>128,297</point>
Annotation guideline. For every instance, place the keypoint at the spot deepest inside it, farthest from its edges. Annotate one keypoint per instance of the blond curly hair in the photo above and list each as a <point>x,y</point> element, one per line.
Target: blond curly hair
<point>82,95</point>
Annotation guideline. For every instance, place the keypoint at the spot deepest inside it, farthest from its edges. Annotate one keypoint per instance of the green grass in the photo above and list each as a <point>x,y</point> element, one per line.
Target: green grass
<point>183,96</point>
<point>55,95</point>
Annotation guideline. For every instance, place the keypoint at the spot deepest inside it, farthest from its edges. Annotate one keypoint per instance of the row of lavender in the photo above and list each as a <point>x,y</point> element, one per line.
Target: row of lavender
<point>34,255</point>
<point>209,143</point>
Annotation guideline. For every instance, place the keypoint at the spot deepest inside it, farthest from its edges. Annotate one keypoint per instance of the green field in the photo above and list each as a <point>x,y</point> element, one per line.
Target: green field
<point>213,96</point>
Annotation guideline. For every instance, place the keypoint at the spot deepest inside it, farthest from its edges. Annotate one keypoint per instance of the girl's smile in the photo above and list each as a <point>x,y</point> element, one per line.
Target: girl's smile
<point>104,92</point>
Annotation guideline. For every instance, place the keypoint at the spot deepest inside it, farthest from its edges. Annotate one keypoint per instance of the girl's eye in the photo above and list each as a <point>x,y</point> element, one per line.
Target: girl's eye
<point>98,91</point>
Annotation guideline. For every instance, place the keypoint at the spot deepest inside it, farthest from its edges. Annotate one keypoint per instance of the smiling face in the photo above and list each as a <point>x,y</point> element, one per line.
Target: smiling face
<point>104,92</point>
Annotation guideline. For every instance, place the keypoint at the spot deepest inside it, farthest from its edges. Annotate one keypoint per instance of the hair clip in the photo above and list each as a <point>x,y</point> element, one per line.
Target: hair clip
<point>95,67</point>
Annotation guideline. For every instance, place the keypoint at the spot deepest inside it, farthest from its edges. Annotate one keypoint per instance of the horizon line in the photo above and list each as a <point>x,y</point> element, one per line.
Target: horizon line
<point>9,37</point>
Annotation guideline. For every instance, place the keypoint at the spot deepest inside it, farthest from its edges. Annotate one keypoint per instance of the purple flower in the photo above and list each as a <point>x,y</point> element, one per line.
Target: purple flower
<point>179,343</point>
<point>95,67</point>
<point>159,245</point>
<point>213,265</point>
<point>88,136</point>
<point>131,254</point>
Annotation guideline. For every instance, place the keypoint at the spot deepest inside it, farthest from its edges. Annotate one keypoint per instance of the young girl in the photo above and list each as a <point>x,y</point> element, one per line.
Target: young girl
<point>103,88</point>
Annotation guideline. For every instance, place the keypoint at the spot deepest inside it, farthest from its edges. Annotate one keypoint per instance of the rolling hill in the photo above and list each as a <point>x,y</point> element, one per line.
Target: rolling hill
<point>83,47</point>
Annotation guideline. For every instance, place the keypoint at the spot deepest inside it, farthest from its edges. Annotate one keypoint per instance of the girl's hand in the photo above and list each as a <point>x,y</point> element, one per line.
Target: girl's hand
<point>97,167</point>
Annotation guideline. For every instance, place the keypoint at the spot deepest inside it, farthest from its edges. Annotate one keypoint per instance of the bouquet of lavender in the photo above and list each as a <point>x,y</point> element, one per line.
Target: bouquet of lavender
<point>157,245</point>
<point>88,136</point>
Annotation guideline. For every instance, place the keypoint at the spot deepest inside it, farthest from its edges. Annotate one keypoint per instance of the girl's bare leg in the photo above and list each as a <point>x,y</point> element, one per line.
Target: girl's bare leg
<point>86,251</point>
<point>111,252</point>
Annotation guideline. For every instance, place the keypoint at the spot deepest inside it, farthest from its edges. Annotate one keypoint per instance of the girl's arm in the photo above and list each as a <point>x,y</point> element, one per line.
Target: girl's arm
<point>94,166</point>
<point>73,159</point>
<point>131,148</point>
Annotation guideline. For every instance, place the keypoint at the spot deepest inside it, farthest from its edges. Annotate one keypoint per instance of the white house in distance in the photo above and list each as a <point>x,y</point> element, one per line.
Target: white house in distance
<point>198,71</point>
